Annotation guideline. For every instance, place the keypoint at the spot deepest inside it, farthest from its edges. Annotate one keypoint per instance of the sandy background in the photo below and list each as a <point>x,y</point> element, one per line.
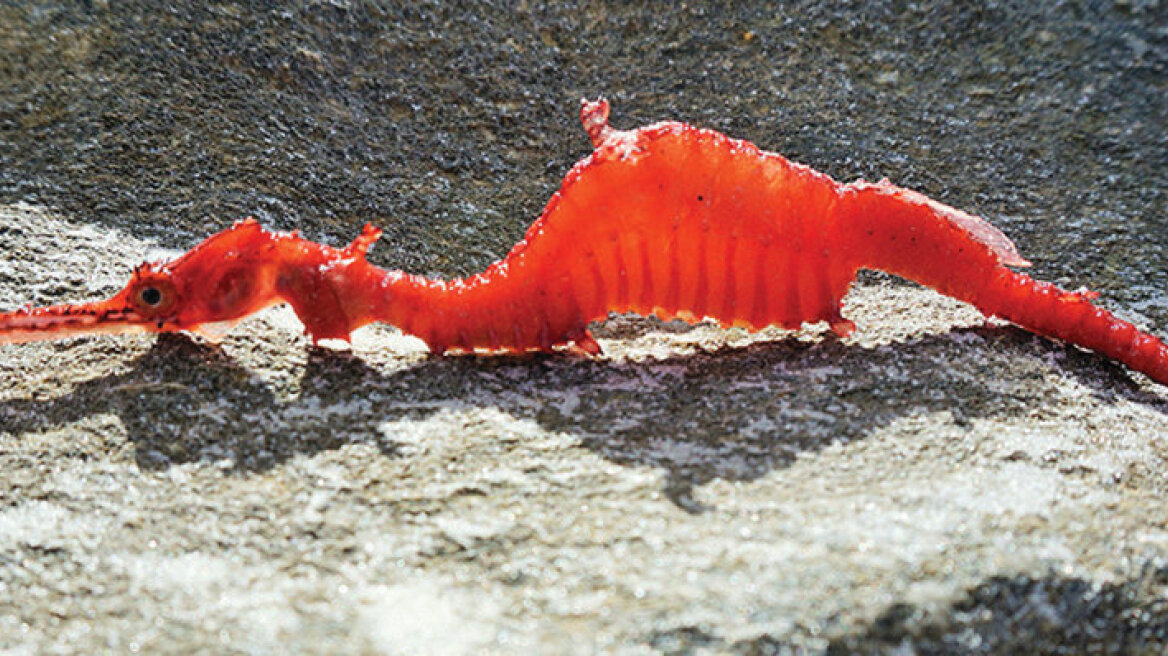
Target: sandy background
<point>932,484</point>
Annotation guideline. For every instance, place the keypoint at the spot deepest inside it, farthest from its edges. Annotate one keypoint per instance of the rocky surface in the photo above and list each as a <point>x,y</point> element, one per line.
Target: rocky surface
<point>932,484</point>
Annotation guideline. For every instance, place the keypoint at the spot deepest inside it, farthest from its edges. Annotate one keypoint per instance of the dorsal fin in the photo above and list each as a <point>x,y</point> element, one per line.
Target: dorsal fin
<point>980,229</point>
<point>975,226</point>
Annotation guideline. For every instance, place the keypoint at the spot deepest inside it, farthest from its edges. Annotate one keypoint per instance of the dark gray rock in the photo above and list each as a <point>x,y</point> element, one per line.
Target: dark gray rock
<point>932,484</point>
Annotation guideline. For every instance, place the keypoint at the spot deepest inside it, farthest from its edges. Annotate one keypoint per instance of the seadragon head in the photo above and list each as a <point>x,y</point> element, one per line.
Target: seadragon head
<point>206,291</point>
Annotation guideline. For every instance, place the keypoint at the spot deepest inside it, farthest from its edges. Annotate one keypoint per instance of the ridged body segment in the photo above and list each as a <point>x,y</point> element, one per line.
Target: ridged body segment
<point>667,220</point>
<point>687,223</point>
<point>679,222</point>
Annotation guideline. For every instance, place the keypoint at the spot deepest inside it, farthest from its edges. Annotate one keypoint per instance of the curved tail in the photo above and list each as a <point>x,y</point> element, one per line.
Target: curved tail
<point>905,233</point>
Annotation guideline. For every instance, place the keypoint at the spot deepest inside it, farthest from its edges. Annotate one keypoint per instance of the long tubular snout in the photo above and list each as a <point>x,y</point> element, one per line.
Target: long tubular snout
<point>60,321</point>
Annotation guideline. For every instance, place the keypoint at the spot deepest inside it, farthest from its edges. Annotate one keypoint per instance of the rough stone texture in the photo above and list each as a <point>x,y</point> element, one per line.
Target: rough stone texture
<point>933,484</point>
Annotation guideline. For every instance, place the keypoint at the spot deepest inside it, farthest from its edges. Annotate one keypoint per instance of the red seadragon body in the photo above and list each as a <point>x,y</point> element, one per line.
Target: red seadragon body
<point>667,220</point>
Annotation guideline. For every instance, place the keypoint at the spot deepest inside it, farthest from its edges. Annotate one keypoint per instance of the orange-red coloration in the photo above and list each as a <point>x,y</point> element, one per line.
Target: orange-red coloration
<point>667,220</point>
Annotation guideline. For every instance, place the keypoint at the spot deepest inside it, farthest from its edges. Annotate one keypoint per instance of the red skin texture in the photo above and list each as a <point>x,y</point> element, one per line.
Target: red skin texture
<point>668,220</point>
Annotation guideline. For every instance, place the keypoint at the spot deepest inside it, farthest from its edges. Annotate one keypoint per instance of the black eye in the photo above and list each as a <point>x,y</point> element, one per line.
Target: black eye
<point>151,296</point>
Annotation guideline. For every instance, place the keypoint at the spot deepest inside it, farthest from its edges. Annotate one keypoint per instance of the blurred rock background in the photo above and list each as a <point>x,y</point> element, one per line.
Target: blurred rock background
<point>931,485</point>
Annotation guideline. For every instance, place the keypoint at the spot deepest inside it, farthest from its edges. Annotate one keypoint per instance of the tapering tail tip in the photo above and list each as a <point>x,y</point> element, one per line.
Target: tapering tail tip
<point>1048,310</point>
<point>963,256</point>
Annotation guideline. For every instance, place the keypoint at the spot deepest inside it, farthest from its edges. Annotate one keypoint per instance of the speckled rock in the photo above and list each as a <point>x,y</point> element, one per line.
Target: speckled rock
<point>933,484</point>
